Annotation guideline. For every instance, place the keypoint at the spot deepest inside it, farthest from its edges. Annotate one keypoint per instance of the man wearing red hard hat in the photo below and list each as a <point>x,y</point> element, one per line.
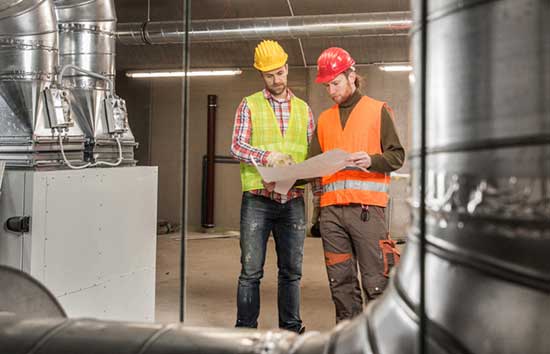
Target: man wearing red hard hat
<point>352,201</point>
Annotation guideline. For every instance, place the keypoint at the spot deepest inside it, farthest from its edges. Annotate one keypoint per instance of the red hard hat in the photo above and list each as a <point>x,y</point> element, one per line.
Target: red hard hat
<point>331,63</point>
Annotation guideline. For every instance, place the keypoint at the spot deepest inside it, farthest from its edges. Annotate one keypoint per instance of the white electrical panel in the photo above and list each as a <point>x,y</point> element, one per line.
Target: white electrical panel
<point>91,237</point>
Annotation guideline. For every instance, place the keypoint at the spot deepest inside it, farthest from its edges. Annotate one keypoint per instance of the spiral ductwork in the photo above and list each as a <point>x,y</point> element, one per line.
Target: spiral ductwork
<point>29,56</point>
<point>23,38</point>
<point>87,40</point>
<point>284,27</point>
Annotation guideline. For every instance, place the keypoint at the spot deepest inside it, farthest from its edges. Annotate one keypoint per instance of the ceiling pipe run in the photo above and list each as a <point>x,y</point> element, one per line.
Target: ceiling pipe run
<point>288,27</point>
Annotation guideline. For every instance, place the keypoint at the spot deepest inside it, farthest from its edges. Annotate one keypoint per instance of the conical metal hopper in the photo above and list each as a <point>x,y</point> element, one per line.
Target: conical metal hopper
<point>28,57</point>
<point>87,40</point>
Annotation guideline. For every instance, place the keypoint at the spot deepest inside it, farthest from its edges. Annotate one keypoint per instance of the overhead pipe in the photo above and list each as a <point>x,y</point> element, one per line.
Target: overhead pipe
<point>288,27</point>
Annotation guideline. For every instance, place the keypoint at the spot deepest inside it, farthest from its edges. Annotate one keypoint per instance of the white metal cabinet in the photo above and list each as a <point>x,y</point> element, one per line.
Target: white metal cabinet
<point>92,237</point>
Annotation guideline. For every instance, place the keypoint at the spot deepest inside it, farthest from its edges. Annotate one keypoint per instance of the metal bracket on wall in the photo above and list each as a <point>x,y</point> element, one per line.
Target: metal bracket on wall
<point>18,224</point>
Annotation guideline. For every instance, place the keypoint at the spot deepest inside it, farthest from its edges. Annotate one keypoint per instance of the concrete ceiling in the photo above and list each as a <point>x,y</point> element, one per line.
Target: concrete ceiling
<point>240,53</point>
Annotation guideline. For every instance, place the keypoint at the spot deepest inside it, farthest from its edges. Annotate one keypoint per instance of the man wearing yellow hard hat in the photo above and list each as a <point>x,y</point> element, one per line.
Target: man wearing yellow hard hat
<point>272,127</point>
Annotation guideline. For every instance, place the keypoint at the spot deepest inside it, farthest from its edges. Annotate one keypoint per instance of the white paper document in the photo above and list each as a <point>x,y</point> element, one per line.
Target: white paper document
<point>321,165</point>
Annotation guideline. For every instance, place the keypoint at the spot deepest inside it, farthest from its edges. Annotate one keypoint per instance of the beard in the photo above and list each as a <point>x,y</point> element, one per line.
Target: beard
<point>343,96</point>
<point>337,99</point>
<point>277,90</point>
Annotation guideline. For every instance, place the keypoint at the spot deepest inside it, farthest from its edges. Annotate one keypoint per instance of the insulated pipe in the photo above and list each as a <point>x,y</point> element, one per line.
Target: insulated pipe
<point>28,57</point>
<point>28,47</point>
<point>288,27</point>
<point>210,161</point>
<point>87,55</point>
<point>28,62</point>
<point>87,40</point>
<point>85,336</point>
<point>89,73</point>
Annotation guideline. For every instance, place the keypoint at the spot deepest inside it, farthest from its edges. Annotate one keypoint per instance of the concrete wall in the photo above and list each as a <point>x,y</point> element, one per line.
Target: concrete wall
<point>138,102</point>
<point>165,107</point>
<point>155,110</point>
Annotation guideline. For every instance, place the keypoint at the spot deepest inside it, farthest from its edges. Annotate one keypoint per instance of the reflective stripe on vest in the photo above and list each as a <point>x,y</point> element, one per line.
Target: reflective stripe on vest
<point>358,185</point>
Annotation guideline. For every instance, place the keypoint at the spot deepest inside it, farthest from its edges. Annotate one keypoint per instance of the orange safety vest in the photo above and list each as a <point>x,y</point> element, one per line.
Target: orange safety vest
<point>361,133</point>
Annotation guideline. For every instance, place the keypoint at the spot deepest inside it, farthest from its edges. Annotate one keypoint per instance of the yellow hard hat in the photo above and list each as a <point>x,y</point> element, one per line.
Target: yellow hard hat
<point>269,55</point>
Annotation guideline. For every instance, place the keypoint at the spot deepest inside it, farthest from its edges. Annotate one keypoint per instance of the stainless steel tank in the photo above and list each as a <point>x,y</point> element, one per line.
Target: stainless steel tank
<point>488,184</point>
<point>28,60</point>
<point>87,40</point>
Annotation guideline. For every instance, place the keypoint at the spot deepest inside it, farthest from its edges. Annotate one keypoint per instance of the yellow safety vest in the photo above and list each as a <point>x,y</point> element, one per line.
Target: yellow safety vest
<point>266,135</point>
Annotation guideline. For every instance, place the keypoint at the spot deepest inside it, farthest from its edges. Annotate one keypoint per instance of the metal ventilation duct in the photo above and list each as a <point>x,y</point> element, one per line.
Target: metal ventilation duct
<point>488,185</point>
<point>28,57</point>
<point>87,41</point>
<point>169,32</point>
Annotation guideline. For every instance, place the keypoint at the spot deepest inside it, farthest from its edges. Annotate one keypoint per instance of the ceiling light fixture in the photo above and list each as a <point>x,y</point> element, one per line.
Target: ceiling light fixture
<point>396,68</point>
<point>140,74</point>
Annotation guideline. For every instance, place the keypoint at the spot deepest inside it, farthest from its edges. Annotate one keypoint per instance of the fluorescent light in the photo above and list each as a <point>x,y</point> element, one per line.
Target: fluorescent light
<point>395,68</point>
<point>164,73</point>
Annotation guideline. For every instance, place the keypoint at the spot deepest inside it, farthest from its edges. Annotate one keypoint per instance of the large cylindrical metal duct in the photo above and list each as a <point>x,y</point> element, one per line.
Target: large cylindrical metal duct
<point>28,50</point>
<point>487,189</point>
<point>87,40</point>
<point>287,27</point>
<point>28,57</point>
<point>55,336</point>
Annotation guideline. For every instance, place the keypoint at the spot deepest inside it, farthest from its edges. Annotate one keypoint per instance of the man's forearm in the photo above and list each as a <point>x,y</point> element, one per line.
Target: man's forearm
<point>245,153</point>
<point>393,153</point>
<point>388,161</point>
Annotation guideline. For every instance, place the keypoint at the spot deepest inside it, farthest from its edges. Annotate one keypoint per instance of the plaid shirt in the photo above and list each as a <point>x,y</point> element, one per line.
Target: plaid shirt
<point>242,132</point>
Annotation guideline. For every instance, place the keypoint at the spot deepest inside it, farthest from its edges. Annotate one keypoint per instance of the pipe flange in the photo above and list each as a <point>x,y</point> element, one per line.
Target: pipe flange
<point>84,27</point>
<point>26,76</point>
<point>25,44</point>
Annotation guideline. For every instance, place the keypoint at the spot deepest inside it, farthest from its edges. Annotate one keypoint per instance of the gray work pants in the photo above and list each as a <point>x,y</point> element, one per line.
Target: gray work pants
<point>348,241</point>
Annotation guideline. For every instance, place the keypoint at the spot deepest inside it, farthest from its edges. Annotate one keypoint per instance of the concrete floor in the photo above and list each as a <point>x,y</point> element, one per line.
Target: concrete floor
<point>213,267</point>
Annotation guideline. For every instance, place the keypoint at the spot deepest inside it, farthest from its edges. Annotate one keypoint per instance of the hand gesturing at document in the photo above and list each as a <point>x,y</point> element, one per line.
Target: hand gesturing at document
<point>360,159</point>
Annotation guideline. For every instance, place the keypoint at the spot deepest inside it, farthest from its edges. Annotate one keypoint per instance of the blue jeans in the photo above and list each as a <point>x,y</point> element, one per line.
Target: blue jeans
<point>259,217</point>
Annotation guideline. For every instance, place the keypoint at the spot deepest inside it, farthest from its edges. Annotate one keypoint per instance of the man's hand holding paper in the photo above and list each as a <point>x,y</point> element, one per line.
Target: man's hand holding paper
<point>321,165</point>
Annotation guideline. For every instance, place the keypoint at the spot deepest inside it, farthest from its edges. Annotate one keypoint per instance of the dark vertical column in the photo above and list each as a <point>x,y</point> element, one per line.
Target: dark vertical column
<point>210,161</point>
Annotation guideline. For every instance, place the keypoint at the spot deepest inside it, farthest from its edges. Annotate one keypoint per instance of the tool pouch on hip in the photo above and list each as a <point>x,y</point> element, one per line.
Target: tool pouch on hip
<point>390,254</point>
